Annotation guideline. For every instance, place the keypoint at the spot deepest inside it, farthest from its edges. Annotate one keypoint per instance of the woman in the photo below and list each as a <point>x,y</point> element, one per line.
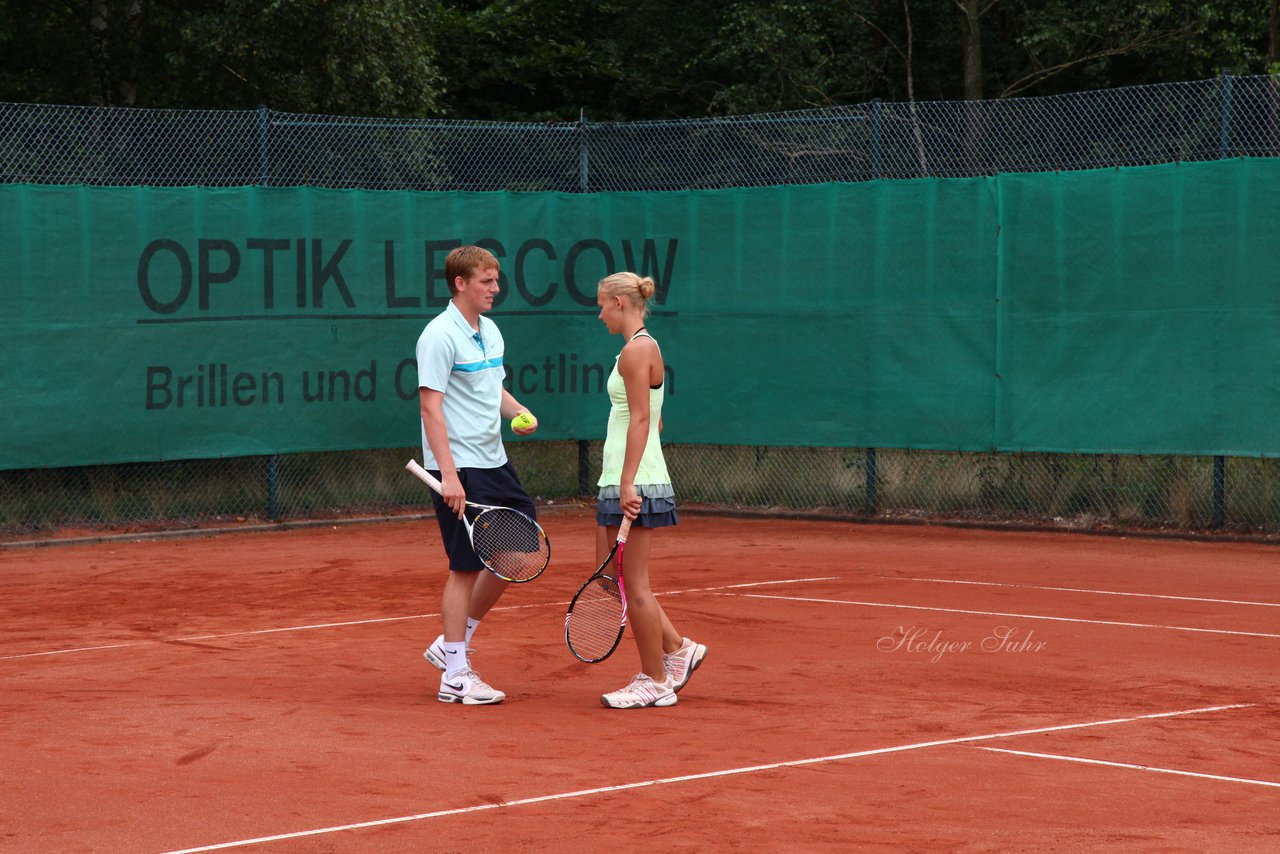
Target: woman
<point>634,483</point>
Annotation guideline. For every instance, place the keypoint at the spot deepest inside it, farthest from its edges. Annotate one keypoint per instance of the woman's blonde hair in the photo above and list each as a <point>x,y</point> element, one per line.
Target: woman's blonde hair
<point>635,289</point>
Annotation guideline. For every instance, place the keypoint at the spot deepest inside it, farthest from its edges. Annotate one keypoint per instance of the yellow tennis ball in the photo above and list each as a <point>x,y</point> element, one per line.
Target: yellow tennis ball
<point>523,421</point>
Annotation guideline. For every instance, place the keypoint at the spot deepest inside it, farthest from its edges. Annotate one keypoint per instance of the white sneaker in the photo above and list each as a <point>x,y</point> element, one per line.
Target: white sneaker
<point>435,653</point>
<point>642,692</point>
<point>681,663</point>
<point>466,687</point>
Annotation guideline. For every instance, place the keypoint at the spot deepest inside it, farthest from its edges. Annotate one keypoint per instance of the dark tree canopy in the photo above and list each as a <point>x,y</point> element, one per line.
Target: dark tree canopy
<point>550,60</point>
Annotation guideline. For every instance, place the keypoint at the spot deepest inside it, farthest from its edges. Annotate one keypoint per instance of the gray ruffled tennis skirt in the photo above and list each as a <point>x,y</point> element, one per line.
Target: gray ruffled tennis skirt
<point>657,506</point>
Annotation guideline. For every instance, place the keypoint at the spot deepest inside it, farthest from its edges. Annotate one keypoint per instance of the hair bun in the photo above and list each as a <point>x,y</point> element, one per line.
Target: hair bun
<point>645,286</point>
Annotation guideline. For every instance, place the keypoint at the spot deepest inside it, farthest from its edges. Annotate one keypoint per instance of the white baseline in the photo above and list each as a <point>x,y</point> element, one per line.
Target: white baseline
<point>367,622</point>
<point>1132,766</point>
<point>902,607</point>
<point>665,781</point>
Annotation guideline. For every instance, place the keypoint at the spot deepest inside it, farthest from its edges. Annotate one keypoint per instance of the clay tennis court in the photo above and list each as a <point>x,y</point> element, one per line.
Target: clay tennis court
<point>895,688</point>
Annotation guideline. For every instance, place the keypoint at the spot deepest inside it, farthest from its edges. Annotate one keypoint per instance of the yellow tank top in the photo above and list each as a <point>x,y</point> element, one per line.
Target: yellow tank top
<point>653,466</point>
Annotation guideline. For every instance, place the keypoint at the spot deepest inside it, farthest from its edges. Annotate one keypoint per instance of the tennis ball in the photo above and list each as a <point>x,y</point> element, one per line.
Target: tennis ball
<point>523,422</point>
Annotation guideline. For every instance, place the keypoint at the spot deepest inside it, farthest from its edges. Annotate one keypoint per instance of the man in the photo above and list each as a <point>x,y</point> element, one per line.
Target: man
<point>463,405</point>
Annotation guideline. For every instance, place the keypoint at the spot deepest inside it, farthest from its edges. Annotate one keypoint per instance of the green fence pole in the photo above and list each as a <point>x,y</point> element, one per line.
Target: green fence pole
<point>1219,491</point>
<point>583,180</point>
<point>264,159</point>
<point>875,139</point>
<point>584,183</point>
<point>273,487</point>
<point>584,468</point>
<point>870,506</point>
<point>1224,118</point>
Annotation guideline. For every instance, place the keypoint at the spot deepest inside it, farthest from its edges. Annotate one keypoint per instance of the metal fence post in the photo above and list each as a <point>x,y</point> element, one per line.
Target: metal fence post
<point>1219,491</point>
<point>870,505</point>
<point>875,139</point>
<point>583,179</point>
<point>584,468</point>
<point>264,151</point>
<point>584,183</point>
<point>1224,118</point>
<point>273,487</point>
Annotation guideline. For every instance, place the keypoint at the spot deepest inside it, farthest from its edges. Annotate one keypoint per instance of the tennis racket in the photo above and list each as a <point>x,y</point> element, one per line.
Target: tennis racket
<point>510,544</point>
<point>598,613</point>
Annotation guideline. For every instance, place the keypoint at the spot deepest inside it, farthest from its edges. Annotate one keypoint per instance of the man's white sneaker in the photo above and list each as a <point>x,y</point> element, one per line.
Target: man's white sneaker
<point>466,687</point>
<point>642,692</point>
<point>681,663</point>
<point>434,654</point>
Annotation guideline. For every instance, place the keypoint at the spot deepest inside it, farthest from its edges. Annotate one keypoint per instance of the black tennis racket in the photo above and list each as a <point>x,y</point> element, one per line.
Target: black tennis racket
<point>510,544</point>
<point>598,613</point>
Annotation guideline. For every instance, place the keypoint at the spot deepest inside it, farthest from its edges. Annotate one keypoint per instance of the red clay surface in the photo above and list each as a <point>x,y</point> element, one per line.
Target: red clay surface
<point>187,694</point>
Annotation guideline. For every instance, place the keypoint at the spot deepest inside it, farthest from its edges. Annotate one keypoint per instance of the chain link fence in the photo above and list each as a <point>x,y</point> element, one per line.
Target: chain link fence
<point>1203,120</point>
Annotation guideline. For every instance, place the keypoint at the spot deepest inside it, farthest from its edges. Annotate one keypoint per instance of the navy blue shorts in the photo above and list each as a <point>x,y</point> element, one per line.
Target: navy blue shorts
<point>499,487</point>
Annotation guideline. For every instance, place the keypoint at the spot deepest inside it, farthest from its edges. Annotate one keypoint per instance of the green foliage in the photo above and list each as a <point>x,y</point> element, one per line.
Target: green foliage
<point>550,60</point>
<point>523,59</point>
<point>788,55</point>
<point>345,57</point>
<point>45,50</point>
<point>1073,45</point>
<point>365,57</point>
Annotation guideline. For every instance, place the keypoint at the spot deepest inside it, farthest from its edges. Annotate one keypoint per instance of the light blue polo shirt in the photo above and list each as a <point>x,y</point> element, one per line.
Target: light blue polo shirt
<point>467,366</point>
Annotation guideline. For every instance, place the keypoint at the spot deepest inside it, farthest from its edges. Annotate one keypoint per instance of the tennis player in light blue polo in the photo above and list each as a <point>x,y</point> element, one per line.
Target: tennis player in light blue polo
<point>466,365</point>
<point>463,404</point>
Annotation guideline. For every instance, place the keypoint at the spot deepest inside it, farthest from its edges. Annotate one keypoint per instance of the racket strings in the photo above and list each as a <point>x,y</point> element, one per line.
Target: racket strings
<point>595,621</point>
<point>510,543</point>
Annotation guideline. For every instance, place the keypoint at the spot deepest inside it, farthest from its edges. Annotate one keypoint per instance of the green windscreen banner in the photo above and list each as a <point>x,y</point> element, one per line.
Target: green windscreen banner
<point>1132,310</point>
<point>1139,310</point>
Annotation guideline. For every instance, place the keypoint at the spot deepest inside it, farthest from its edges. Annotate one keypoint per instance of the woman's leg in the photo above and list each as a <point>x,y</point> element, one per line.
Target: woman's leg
<point>643,612</point>
<point>671,638</point>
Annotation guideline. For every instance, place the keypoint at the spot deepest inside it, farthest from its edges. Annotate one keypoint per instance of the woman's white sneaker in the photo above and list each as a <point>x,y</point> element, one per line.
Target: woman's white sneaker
<point>641,693</point>
<point>681,663</point>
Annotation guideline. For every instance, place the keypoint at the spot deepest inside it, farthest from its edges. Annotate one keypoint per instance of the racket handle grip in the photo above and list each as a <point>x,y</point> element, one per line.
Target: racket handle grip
<point>424,476</point>
<point>624,529</point>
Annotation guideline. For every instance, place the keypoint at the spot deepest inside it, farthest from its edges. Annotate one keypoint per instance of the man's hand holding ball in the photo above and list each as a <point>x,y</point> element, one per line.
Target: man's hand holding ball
<point>524,423</point>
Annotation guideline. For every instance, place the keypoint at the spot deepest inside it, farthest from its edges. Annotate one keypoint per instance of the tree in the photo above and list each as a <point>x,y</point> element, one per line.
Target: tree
<point>781,55</point>
<point>614,59</point>
<point>971,12</point>
<point>525,59</point>
<point>346,57</point>
<point>1072,45</point>
<point>46,50</point>
<point>1273,37</point>
<point>369,57</point>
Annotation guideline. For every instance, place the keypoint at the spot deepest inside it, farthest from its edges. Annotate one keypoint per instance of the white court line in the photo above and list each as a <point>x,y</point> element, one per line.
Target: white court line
<point>747,584</point>
<point>338,625</point>
<point>1135,767</point>
<point>193,638</point>
<point>1087,590</point>
<point>1004,614</point>
<point>663,781</point>
<point>77,649</point>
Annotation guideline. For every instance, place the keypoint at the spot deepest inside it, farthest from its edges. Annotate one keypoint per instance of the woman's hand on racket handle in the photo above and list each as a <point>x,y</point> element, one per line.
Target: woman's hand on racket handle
<point>630,500</point>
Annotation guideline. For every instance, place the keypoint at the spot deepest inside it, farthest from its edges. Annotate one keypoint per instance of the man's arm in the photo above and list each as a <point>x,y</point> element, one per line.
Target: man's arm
<point>510,408</point>
<point>431,404</point>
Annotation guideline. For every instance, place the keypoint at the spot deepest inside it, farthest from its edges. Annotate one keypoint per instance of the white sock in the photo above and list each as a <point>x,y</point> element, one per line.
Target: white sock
<point>455,658</point>
<point>472,625</point>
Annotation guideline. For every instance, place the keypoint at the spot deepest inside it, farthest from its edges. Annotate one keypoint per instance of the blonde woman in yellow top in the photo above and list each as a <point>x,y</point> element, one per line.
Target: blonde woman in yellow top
<point>634,483</point>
